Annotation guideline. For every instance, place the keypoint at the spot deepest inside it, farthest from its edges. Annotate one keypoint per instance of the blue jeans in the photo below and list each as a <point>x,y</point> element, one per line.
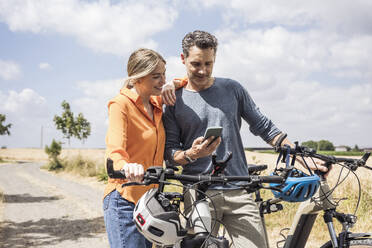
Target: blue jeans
<point>120,227</point>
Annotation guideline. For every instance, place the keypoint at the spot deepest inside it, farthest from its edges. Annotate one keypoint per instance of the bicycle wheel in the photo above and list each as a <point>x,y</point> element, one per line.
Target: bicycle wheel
<point>359,243</point>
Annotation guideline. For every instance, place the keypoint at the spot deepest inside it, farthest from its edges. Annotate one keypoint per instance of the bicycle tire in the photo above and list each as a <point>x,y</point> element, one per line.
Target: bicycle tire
<point>356,242</point>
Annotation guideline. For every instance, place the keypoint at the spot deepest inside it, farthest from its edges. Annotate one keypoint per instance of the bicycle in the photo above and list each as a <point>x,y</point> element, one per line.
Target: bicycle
<point>322,201</point>
<point>162,209</point>
<point>201,219</point>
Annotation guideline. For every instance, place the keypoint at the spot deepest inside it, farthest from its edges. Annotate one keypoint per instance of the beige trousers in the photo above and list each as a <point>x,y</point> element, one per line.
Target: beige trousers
<point>239,214</point>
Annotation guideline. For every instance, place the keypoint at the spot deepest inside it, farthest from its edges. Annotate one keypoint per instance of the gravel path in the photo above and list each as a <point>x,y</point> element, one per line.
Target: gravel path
<point>41,209</point>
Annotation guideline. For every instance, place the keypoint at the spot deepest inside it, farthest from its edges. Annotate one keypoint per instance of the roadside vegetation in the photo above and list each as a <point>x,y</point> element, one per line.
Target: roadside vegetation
<point>4,130</point>
<point>75,165</point>
<point>72,127</point>
<point>78,165</point>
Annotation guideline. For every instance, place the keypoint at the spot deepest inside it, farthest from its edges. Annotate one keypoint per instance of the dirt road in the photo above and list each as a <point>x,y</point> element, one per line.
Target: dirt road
<point>41,209</point>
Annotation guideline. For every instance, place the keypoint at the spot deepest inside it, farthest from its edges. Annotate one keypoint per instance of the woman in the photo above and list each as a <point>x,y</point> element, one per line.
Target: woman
<point>135,141</point>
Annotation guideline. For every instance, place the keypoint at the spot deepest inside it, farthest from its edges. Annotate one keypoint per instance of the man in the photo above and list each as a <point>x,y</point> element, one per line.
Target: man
<point>208,101</point>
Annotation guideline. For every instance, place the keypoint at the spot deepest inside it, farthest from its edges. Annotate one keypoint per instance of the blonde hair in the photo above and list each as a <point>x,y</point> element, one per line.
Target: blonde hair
<point>141,63</point>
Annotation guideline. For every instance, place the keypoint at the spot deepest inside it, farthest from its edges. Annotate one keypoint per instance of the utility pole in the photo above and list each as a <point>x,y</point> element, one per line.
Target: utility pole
<point>41,137</point>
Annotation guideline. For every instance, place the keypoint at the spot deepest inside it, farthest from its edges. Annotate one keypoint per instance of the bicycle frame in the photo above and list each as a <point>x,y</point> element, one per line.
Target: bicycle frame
<point>306,215</point>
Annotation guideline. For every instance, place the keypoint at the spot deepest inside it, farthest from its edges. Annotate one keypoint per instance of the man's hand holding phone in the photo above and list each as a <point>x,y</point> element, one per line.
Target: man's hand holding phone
<point>214,132</point>
<point>205,145</point>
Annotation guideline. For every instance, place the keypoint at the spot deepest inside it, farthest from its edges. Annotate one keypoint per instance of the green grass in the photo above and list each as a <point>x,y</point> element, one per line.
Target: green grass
<point>333,153</point>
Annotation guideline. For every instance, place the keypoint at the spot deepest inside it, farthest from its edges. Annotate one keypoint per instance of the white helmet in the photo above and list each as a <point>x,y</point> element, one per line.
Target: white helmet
<point>155,223</point>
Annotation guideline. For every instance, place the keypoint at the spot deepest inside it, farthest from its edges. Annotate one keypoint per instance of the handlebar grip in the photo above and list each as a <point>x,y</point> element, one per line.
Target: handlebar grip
<point>255,168</point>
<point>272,179</point>
<point>111,172</point>
<point>365,157</point>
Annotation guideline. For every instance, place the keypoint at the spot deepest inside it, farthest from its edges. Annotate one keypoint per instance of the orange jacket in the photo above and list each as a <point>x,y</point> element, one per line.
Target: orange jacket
<point>132,137</point>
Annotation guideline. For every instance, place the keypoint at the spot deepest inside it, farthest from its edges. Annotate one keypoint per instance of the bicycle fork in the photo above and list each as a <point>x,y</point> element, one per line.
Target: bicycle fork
<point>347,221</point>
<point>328,219</point>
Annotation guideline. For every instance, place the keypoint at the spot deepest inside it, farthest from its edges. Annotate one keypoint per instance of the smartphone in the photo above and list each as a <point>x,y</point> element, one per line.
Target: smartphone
<point>213,131</point>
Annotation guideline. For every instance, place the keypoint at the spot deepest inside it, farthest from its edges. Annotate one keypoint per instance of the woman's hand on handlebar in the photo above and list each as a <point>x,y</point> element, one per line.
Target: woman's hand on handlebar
<point>133,172</point>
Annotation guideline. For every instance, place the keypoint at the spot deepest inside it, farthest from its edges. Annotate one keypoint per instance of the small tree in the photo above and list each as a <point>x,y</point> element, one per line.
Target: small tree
<point>325,145</point>
<point>311,144</point>
<point>4,128</point>
<point>356,148</point>
<point>79,128</point>
<point>53,151</point>
<point>82,128</point>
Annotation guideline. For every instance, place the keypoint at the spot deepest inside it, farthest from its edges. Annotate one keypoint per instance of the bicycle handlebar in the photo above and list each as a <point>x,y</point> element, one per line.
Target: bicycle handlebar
<point>308,152</point>
<point>154,175</point>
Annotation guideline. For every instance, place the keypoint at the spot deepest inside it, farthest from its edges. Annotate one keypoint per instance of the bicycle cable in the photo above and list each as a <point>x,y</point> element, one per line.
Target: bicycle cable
<point>338,182</point>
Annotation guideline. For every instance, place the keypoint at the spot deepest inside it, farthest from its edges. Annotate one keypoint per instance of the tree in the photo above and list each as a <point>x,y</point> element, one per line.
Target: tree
<point>356,148</point>
<point>79,128</point>
<point>53,151</point>
<point>325,145</point>
<point>82,130</point>
<point>311,144</point>
<point>4,128</point>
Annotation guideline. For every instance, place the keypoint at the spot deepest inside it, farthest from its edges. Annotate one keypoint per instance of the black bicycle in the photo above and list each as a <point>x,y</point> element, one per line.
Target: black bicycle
<point>157,214</point>
<point>162,209</point>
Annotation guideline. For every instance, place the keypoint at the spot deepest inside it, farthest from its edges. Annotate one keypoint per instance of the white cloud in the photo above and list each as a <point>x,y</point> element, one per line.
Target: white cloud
<point>336,15</point>
<point>175,68</point>
<point>313,86</point>
<point>9,70</point>
<point>45,66</point>
<point>24,104</point>
<point>99,25</point>
<point>93,105</point>
<point>27,111</point>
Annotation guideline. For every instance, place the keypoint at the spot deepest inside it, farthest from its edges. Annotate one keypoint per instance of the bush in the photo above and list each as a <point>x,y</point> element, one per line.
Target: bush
<point>80,166</point>
<point>325,145</point>
<point>311,144</point>
<point>321,145</point>
<point>53,151</point>
<point>84,167</point>
<point>102,175</point>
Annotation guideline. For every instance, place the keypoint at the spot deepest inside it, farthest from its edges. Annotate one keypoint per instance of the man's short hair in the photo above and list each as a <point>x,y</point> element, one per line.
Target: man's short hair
<point>198,38</point>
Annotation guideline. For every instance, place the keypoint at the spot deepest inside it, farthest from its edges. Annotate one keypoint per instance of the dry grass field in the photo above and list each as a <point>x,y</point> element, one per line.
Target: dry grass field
<point>275,222</point>
<point>19,154</point>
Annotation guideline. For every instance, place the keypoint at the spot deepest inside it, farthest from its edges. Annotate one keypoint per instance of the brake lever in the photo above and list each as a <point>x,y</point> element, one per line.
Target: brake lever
<point>146,181</point>
<point>132,184</point>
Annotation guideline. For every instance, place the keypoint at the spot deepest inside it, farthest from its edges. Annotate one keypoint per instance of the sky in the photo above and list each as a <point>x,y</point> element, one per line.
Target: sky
<point>306,64</point>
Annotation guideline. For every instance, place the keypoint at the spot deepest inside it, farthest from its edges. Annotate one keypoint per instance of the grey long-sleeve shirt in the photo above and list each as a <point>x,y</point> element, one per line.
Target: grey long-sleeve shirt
<point>223,104</point>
